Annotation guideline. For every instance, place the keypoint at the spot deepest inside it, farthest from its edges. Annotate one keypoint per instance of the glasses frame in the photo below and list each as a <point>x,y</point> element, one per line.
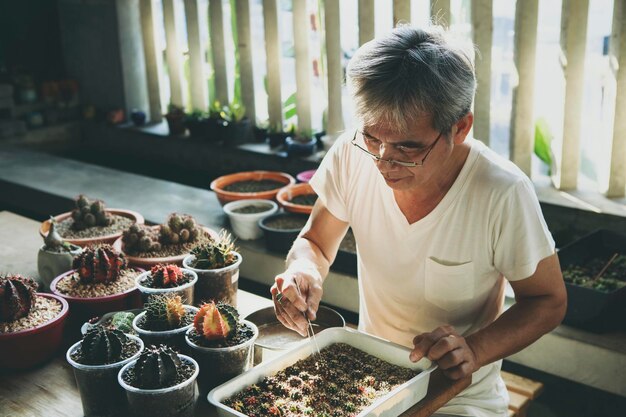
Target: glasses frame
<point>407,164</point>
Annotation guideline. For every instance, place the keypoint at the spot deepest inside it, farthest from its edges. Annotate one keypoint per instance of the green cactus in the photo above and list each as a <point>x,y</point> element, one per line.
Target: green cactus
<point>102,345</point>
<point>179,229</point>
<point>89,213</point>
<point>217,253</point>
<point>164,312</point>
<point>17,297</point>
<point>123,320</point>
<point>157,367</point>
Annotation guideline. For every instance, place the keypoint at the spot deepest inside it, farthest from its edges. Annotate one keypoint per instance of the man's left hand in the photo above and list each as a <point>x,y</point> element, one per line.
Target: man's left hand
<point>446,347</point>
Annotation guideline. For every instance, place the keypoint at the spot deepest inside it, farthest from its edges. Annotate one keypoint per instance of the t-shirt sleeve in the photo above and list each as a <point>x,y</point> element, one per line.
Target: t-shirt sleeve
<point>521,236</point>
<point>329,181</point>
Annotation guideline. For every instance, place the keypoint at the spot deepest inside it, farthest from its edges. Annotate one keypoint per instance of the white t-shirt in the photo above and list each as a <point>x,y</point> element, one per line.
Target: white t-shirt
<point>446,268</point>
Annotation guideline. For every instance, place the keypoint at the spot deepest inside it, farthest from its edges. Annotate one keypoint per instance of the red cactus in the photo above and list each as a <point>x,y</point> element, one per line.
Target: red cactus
<point>99,264</point>
<point>213,323</point>
<point>164,276</point>
<point>17,296</point>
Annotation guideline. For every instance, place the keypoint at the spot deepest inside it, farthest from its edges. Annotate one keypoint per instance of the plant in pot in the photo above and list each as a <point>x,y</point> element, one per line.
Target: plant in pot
<point>167,279</point>
<point>100,282</point>
<point>198,123</point>
<point>217,265</point>
<point>276,136</point>
<point>280,230</point>
<point>301,143</point>
<point>160,382</point>
<point>297,198</point>
<point>239,129</point>
<point>250,185</point>
<point>97,360</point>
<point>222,344</point>
<point>175,117</point>
<point>31,324</point>
<point>168,243</point>
<point>217,126</point>
<point>90,222</point>
<point>55,256</point>
<point>165,319</point>
<point>244,216</point>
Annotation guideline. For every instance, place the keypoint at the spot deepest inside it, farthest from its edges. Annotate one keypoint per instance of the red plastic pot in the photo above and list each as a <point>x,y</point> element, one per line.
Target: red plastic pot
<point>31,347</point>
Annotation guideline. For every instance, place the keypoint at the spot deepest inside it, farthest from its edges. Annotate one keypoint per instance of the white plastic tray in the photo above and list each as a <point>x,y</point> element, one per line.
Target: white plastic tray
<point>394,403</point>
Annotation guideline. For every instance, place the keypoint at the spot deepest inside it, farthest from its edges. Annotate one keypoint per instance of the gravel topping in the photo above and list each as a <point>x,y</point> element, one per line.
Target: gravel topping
<point>119,224</point>
<point>44,310</point>
<point>70,285</point>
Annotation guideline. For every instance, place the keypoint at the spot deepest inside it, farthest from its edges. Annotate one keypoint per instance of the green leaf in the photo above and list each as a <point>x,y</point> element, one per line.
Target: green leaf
<point>543,139</point>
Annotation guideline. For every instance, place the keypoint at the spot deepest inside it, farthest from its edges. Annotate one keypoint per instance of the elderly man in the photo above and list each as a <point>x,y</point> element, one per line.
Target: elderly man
<point>440,222</point>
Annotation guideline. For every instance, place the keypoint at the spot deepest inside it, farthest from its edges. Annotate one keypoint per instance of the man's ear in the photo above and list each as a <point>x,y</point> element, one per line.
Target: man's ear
<point>461,129</point>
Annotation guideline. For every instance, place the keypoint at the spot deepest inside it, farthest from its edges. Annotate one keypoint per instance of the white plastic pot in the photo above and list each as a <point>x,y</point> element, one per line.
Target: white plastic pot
<point>245,225</point>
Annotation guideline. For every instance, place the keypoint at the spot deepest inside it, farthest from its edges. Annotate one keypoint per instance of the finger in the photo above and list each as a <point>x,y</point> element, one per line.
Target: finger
<point>458,372</point>
<point>427,340</point>
<point>283,317</point>
<point>291,314</point>
<point>451,359</point>
<point>313,301</point>
<point>443,346</point>
<point>291,291</point>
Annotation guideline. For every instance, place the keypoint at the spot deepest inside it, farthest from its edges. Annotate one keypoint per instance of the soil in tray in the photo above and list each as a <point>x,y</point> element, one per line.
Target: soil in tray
<point>119,224</point>
<point>251,186</point>
<point>612,279</point>
<point>342,382</point>
<point>286,222</point>
<point>304,199</point>
<point>252,209</point>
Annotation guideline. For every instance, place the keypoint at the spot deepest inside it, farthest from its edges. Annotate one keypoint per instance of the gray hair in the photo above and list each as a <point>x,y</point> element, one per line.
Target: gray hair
<point>410,73</point>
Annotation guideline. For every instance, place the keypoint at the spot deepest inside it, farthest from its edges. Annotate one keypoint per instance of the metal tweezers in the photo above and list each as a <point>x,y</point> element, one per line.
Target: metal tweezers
<point>309,331</point>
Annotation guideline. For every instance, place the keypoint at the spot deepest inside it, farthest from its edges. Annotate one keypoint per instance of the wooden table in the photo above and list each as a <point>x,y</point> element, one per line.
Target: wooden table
<point>50,390</point>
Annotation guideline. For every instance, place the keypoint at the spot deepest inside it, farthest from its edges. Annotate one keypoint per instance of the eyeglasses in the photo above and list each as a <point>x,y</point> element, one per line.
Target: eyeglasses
<point>408,164</point>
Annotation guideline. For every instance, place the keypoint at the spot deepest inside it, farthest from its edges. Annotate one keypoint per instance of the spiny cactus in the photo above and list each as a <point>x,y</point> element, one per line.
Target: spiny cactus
<point>164,312</point>
<point>140,239</point>
<point>179,229</point>
<point>217,253</point>
<point>89,213</point>
<point>102,345</point>
<point>157,367</point>
<point>17,297</point>
<point>99,264</point>
<point>166,276</point>
<point>216,321</point>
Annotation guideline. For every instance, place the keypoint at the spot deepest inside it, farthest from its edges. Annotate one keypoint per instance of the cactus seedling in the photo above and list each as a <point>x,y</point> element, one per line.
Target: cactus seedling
<point>217,253</point>
<point>157,367</point>
<point>140,239</point>
<point>164,312</point>
<point>216,321</point>
<point>102,345</point>
<point>166,276</point>
<point>99,264</point>
<point>17,296</point>
<point>89,213</point>
<point>179,229</point>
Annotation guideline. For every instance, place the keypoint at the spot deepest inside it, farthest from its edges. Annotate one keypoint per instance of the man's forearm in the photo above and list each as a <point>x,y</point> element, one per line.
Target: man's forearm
<point>307,256</point>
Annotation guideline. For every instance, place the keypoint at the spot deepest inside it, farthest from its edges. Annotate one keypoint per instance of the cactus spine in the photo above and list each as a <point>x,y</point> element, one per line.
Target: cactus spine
<point>17,297</point>
<point>164,312</point>
<point>102,345</point>
<point>217,253</point>
<point>216,321</point>
<point>157,367</point>
<point>89,213</point>
<point>99,264</point>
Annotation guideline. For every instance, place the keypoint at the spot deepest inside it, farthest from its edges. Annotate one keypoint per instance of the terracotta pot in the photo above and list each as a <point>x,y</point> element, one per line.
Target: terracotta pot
<point>147,263</point>
<point>51,264</point>
<point>31,347</point>
<point>108,239</point>
<point>285,195</point>
<point>224,197</point>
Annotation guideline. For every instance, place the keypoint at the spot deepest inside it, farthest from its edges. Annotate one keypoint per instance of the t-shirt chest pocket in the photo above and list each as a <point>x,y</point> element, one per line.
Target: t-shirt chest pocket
<point>448,286</point>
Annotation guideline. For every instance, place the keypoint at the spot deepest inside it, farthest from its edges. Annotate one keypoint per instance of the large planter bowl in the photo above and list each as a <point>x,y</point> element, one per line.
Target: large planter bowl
<point>185,291</point>
<point>174,338</point>
<point>216,284</point>
<point>107,239</point>
<point>280,240</point>
<point>218,365</point>
<point>246,225</point>
<point>178,400</point>
<point>31,347</point>
<point>99,390</point>
<point>147,263</point>
<point>224,196</point>
<point>305,176</point>
<point>51,264</point>
<point>285,195</point>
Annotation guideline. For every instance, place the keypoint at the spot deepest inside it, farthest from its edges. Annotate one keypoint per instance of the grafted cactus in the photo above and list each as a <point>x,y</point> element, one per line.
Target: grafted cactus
<point>157,367</point>
<point>179,229</point>
<point>17,296</point>
<point>89,213</point>
<point>217,253</point>
<point>140,239</point>
<point>102,345</point>
<point>216,321</point>
<point>166,276</point>
<point>164,312</point>
<point>99,264</point>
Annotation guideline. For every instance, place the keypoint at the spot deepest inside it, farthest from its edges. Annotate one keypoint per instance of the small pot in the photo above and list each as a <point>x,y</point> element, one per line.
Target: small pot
<point>285,195</point>
<point>174,338</point>
<point>178,400</point>
<point>185,291</point>
<point>31,347</point>
<point>138,117</point>
<point>246,225</point>
<point>305,176</point>
<point>176,123</point>
<point>51,264</point>
<point>218,365</point>
<point>298,148</point>
<point>224,196</point>
<point>237,133</point>
<point>276,140</point>
<point>100,392</point>
<point>281,240</point>
<point>216,284</point>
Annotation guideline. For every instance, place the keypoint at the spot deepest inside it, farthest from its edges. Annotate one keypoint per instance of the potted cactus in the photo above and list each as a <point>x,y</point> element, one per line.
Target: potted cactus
<point>31,324</point>
<point>96,360</point>
<point>90,222</point>
<point>160,383</point>
<point>167,279</point>
<point>175,117</point>
<point>217,265</point>
<point>164,321</point>
<point>99,282</point>
<point>222,344</point>
<point>166,243</point>
<point>55,256</point>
